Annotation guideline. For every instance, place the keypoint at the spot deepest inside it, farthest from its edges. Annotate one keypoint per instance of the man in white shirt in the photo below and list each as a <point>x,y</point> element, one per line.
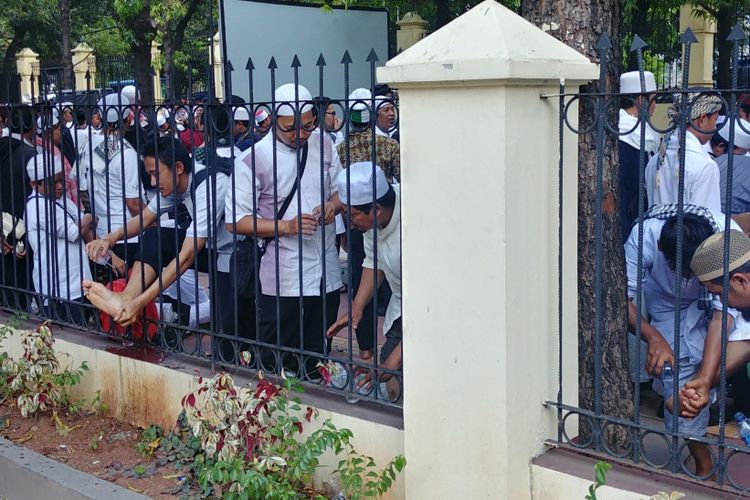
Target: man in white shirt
<point>56,232</point>
<point>386,112</point>
<point>113,178</point>
<point>299,273</point>
<point>629,144</point>
<point>80,173</point>
<point>708,266</point>
<point>168,251</point>
<point>702,180</point>
<point>660,235</point>
<point>384,217</point>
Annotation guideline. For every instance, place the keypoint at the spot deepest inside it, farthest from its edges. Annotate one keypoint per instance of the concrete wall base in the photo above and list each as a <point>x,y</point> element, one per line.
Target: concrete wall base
<point>143,393</point>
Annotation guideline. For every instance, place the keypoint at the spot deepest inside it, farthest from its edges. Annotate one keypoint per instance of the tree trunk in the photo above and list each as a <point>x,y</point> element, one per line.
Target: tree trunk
<point>581,22</point>
<point>66,55</point>
<point>16,44</point>
<point>173,41</point>
<point>167,47</point>
<point>724,23</point>
<point>144,28</point>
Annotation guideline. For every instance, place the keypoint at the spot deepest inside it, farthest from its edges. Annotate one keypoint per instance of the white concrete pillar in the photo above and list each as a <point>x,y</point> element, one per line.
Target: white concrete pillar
<point>218,67</point>
<point>83,61</point>
<point>479,155</point>
<point>411,29</point>
<point>27,65</point>
<point>156,64</point>
<point>701,72</point>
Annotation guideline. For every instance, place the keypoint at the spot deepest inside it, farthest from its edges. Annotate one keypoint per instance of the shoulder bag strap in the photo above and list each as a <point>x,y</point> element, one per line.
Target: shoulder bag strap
<point>288,200</point>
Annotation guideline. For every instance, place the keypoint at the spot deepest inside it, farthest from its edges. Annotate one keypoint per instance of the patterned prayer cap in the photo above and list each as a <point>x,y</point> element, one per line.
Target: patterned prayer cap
<point>708,260</point>
<point>702,102</point>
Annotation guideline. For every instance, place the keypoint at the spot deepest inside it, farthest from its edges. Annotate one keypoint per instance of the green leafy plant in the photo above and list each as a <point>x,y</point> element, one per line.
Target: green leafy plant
<point>600,478</point>
<point>94,444</point>
<point>98,406</point>
<point>6,362</point>
<point>150,440</point>
<point>251,446</point>
<point>37,381</point>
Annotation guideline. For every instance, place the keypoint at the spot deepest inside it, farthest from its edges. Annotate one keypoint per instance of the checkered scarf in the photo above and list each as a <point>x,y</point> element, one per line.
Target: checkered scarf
<point>699,104</point>
<point>668,210</point>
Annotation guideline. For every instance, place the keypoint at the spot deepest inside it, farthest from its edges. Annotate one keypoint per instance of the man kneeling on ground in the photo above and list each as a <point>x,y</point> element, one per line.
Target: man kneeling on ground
<point>171,168</point>
<point>368,209</point>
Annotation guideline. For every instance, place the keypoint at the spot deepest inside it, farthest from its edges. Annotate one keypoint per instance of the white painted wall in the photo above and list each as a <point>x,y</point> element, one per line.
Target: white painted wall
<point>479,156</point>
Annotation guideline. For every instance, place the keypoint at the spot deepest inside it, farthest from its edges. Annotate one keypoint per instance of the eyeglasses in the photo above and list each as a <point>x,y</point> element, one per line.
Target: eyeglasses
<point>332,113</point>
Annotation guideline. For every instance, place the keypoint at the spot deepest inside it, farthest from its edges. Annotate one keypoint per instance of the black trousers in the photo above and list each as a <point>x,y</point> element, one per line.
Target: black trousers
<point>287,332</point>
<point>15,274</point>
<point>160,245</point>
<point>243,328</point>
<point>365,330</point>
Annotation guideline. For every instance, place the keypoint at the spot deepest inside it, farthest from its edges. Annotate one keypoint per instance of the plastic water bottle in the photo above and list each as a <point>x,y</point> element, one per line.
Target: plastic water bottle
<point>104,259</point>
<point>744,427</point>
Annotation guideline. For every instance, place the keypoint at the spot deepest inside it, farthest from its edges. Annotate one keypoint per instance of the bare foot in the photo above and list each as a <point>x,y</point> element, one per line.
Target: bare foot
<point>103,298</point>
<point>87,284</point>
<point>365,355</point>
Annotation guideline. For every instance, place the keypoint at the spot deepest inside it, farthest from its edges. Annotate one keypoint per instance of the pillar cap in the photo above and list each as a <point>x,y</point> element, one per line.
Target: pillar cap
<point>26,52</point>
<point>489,42</point>
<point>82,47</point>
<point>412,19</point>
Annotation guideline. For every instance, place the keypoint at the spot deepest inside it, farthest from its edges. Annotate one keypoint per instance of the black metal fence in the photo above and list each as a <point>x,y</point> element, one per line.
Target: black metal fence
<point>165,226</point>
<point>676,195</point>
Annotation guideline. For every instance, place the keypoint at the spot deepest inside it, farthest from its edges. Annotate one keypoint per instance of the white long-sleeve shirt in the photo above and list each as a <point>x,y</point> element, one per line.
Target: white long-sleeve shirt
<point>658,282</point>
<point>60,260</point>
<point>702,178</point>
<point>389,258</point>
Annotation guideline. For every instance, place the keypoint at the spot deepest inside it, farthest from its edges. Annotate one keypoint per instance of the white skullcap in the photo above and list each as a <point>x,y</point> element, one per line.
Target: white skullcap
<point>360,182</point>
<point>39,167</point>
<point>630,82</point>
<point>285,99</point>
<point>360,94</point>
<point>47,120</point>
<point>128,91</point>
<point>162,116</point>
<point>241,114</point>
<point>359,105</point>
<point>112,104</point>
<point>260,115</point>
<point>741,137</point>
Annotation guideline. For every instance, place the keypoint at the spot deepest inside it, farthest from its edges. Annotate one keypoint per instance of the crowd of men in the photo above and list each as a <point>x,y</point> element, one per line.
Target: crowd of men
<point>690,253</point>
<point>119,205</point>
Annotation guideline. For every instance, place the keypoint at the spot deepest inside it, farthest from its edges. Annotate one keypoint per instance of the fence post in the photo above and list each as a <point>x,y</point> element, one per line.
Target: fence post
<point>83,57</point>
<point>411,29</point>
<point>480,151</point>
<point>156,64</point>
<point>26,61</point>
<point>218,66</point>
<point>702,59</point>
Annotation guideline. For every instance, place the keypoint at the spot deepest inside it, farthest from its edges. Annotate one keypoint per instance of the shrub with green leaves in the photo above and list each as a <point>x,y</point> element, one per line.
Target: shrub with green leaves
<point>35,379</point>
<point>252,447</point>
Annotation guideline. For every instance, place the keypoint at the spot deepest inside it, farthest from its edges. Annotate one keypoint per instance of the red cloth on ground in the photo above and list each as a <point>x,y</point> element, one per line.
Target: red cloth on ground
<point>150,313</point>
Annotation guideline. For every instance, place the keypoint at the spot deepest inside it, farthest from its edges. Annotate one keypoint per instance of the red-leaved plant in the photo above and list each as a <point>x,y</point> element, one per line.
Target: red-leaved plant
<point>252,440</point>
